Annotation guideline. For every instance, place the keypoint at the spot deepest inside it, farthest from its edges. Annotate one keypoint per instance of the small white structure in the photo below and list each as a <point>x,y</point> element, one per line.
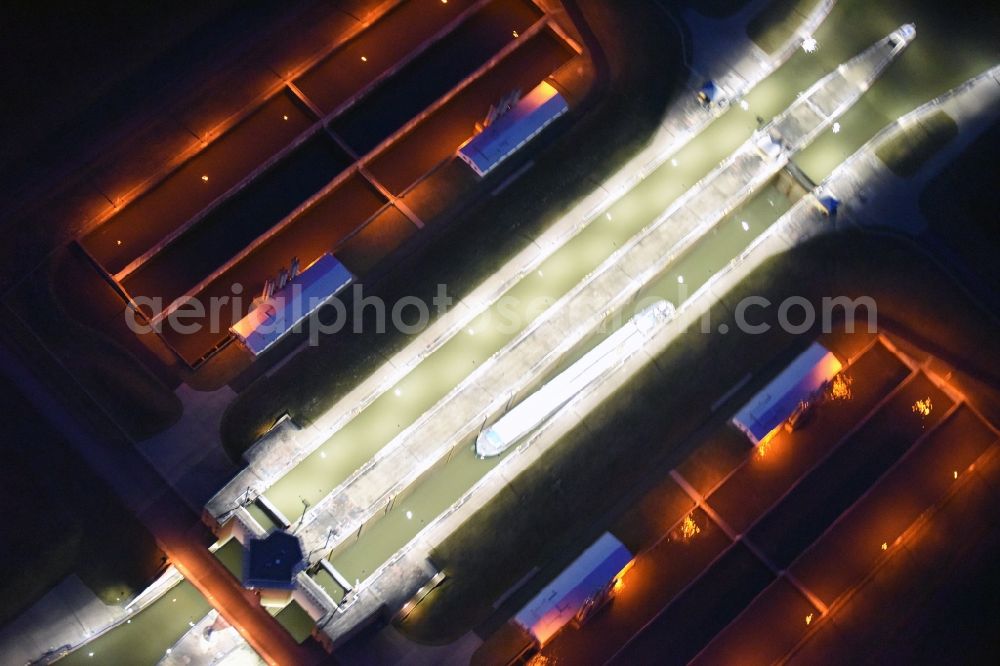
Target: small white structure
<point>767,411</point>
<point>283,310</point>
<point>588,581</point>
<point>505,135</point>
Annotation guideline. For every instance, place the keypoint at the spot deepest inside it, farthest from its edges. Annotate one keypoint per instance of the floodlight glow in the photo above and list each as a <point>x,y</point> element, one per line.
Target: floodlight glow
<point>534,410</point>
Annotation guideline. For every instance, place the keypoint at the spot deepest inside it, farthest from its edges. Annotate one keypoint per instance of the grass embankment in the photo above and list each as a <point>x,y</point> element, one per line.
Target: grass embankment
<point>960,206</point>
<point>907,150</point>
<point>776,23</point>
<point>138,402</point>
<point>627,445</point>
<point>641,47</point>
<point>60,519</point>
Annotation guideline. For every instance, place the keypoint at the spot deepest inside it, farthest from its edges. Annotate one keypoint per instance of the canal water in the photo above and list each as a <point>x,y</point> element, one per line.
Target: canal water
<point>145,638</point>
<point>354,444</point>
<point>852,26</point>
<point>447,483</point>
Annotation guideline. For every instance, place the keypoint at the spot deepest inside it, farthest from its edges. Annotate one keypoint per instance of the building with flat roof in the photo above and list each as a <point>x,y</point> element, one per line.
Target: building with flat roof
<point>781,398</point>
<point>505,135</point>
<point>273,562</point>
<point>586,583</point>
<point>278,314</point>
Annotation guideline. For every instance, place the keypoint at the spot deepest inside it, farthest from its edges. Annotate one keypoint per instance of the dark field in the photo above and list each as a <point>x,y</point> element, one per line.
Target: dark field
<point>226,230</point>
<point>433,73</point>
<point>143,223</point>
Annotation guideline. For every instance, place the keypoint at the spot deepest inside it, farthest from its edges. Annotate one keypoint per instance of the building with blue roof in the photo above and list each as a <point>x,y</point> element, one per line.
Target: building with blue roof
<point>282,311</point>
<point>798,383</point>
<point>590,577</point>
<point>505,135</point>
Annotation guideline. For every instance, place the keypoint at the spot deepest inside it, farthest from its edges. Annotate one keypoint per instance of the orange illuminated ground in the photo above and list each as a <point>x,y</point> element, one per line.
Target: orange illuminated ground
<point>780,543</point>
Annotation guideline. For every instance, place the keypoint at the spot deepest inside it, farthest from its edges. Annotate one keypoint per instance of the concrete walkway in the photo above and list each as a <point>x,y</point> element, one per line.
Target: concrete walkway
<point>891,201</point>
<point>189,455</point>
<point>212,642</point>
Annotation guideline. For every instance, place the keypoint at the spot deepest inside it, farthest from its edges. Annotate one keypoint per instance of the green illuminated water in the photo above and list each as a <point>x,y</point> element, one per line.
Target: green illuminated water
<point>145,638</point>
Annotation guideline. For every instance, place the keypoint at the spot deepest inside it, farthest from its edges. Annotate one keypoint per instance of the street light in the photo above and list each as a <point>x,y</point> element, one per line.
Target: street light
<point>809,45</point>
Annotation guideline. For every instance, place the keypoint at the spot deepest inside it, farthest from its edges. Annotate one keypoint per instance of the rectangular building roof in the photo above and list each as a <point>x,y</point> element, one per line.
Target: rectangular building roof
<point>767,410</point>
<point>532,113</point>
<point>588,574</point>
<point>304,294</point>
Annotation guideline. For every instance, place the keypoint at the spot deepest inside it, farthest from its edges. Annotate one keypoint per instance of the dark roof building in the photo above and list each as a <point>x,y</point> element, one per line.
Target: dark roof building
<point>273,562</point>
